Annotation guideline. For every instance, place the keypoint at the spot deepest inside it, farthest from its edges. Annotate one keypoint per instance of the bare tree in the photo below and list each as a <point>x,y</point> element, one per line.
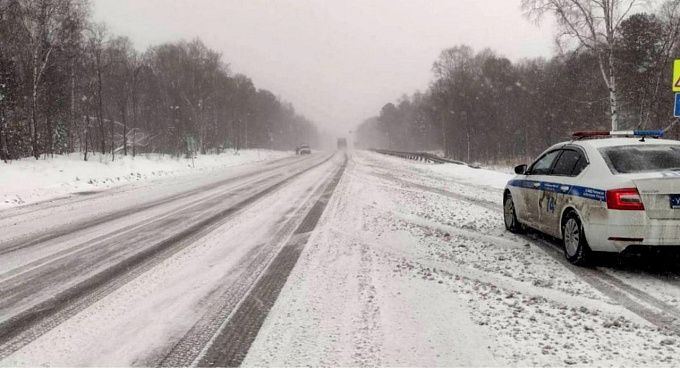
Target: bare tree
<point>41,31</point>
<point>7,96</point>
<point>670,16</point>
<point>66,85</point>
<point>121,74</point>
<point>593,24</point>
<point>96,44</point>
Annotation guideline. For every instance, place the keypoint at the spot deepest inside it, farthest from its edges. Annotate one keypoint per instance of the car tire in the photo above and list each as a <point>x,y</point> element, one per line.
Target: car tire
<point>576,248</point>
<point>512,224</point>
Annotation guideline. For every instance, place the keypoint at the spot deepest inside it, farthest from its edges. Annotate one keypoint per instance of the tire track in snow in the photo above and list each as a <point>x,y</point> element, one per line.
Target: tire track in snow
<point>30,324</point>
<point>231,344</point>
<point>51,234</point>
<point>367,344</point>
<point>81,248</point>
<point>666,317</point>
<point>643,304</point>
<point>187,349</point>
<point>474,201</point>
<point>84,196</point>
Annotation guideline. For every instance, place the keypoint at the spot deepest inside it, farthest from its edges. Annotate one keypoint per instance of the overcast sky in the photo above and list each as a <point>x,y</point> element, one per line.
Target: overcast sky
<point>337,61</point>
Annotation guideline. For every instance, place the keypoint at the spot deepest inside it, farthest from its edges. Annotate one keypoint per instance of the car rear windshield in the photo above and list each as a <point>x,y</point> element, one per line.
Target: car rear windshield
<point>641,158</point>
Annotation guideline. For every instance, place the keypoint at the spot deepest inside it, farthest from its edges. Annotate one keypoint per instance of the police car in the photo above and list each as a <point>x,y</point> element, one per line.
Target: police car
<point>602,191</point>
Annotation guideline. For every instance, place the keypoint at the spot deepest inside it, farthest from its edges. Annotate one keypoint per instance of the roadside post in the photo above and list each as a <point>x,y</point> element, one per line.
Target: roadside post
<point>676,75</point>
<point>192,148</point>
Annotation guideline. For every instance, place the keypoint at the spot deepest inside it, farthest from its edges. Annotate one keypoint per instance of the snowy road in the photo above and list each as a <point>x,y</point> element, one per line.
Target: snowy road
<point>350,260</point>
<point>147,276</point>
<point>411,265</point>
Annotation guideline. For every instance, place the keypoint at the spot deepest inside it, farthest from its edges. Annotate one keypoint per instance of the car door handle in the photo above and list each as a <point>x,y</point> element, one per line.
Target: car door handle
<point>564,188</point>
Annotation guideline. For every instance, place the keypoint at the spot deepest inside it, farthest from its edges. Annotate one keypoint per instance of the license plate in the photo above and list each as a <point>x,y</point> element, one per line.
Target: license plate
<point>675,201</point>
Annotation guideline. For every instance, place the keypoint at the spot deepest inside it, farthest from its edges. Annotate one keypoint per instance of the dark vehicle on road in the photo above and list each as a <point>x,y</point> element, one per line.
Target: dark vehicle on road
<point>304,149</point>
<point>342,143</point>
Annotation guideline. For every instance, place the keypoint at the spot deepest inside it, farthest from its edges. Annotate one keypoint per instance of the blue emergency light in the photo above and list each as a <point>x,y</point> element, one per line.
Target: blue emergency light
<point>641,133</point>
<point>619,133</point>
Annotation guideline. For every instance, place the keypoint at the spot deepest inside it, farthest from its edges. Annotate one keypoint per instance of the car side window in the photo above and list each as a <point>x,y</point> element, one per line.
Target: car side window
<point>543,165</point>
<point>566,163</point>
<point>580,165</point>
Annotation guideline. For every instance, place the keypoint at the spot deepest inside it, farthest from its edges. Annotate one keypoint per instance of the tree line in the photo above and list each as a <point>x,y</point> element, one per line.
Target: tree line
<point>68,85</point>
<point>613,71</point>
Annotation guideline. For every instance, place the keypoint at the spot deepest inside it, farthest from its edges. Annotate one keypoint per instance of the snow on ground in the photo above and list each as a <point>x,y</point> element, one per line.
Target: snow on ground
<point>28,180</point>
<point>399,274</point>
<point>140,321</point>
<point>467,175</point>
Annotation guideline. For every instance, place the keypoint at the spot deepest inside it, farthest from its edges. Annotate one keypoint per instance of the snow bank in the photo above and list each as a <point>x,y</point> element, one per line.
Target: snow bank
<point>28,180</point>
<point>492,177</point>
<point>467,175</point>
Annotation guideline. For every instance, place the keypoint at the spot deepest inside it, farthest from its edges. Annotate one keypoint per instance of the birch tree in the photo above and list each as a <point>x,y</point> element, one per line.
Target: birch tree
<point>41,25</point>
<point>96,43</point>
<point>593,25</point>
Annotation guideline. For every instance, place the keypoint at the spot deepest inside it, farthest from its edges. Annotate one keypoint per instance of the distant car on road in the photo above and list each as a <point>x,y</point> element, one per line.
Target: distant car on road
<point>602,191</point>
<point>304,149</point>
<point>342,143</point>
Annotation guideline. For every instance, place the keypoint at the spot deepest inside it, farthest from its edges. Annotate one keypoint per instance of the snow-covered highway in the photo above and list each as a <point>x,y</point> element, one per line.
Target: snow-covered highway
<point>331,259</point>
<point>177,255</point>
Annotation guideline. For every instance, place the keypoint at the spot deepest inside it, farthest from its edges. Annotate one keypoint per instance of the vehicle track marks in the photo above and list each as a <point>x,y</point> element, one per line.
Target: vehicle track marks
<point>666,317</point>
<point>28,325</point>
<point>230,346</point>
<point>224,300</point>
<point>648,307</point>
<point>77,197</point>
<point>469,199</point>
<point>30,240</point>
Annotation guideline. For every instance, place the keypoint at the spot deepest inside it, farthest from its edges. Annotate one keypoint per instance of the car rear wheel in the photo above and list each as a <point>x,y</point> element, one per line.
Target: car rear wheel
<point>510,216</point>
<point>575,244</point>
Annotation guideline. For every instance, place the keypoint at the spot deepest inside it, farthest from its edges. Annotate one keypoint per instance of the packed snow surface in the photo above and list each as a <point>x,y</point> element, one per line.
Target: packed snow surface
<point>140,321</point>
<point>29,180</point>
<point>409,265</point>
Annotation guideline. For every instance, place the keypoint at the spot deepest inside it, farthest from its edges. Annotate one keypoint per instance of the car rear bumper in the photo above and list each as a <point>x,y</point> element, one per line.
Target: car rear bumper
<point>636,230</point>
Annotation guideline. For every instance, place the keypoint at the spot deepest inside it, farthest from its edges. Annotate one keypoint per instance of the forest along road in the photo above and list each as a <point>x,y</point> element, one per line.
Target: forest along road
<point>150,275</point>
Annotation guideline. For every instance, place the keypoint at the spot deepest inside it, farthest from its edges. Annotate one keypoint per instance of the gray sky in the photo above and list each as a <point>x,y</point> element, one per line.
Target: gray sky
<point>337,61</point>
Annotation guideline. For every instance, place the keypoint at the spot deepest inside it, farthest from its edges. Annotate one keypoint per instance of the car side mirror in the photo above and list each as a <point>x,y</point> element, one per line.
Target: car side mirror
<point>521,169</point>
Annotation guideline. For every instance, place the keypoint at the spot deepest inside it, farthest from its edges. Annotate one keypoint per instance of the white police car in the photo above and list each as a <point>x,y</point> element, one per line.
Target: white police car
<point>598,194</point>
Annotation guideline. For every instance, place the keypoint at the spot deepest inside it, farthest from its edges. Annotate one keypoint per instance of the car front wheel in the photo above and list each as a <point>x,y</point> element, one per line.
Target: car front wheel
<point>510,215</point>
<point>575,244</point>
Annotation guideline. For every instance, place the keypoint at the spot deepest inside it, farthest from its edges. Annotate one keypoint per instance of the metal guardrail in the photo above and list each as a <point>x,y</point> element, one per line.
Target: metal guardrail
<point>423,156</point>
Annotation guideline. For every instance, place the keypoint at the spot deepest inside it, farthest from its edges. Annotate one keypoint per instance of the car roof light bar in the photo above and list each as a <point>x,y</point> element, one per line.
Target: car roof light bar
<point>619,133</point>
<point>649,133</point>
<point>592,133</point>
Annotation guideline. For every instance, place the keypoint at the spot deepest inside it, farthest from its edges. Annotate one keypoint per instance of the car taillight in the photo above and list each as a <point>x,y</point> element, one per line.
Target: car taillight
<point>624,199</point>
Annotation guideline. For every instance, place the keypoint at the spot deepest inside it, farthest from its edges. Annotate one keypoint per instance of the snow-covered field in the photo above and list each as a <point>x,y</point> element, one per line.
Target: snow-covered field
<point>28,180</point>
<point>397,274</point>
